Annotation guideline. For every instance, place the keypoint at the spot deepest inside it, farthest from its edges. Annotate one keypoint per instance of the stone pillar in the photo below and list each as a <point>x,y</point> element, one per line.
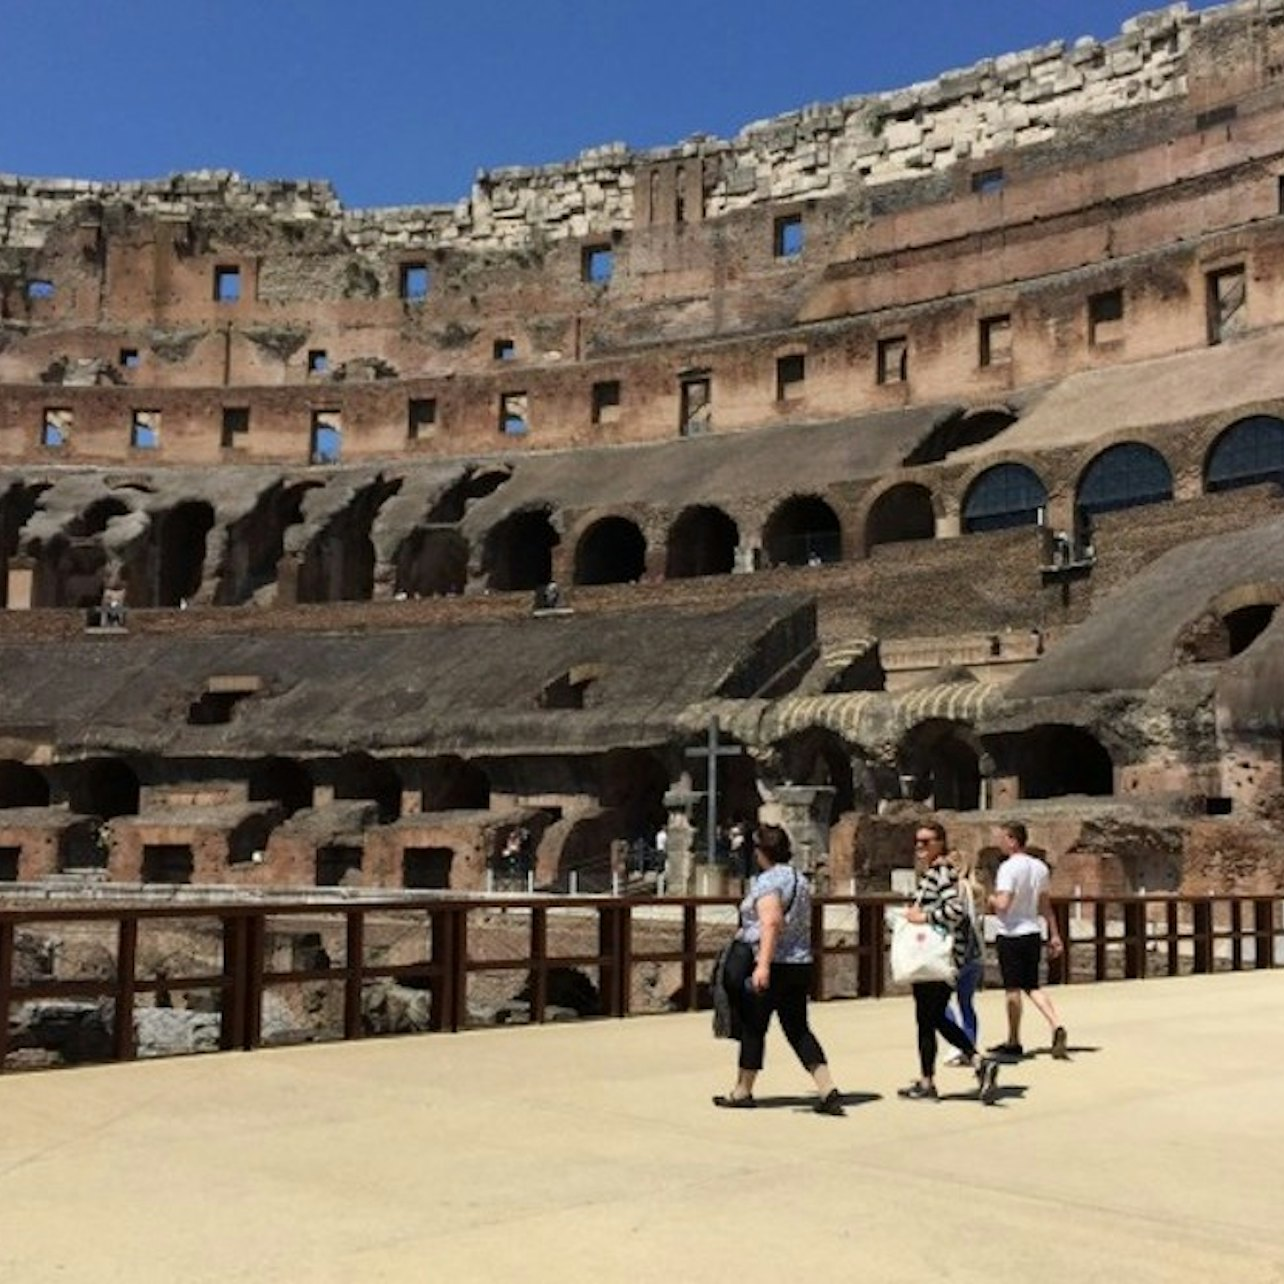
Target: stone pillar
<point>679,852</point>
<point>802,811</point>
<point>21,586</point>
<point>287,580</point>
<point>949,526</point>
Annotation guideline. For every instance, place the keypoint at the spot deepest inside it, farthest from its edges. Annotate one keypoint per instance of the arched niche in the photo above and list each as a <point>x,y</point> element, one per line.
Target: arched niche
<point>519,551</point>
<point>1128,475</point>
<point>902,513</point>
<point>1053,760</point>
<point>360,776</point>
<point>1003,497</point>
<point>1248,453</point>
<point>817,756</point>
<point>803,531</point>
<point>611,551</point>
<point>701,541</point>
<point>940,761</point>
<point>181,534</point>
<point>103,787</point>
<point>432,562</point>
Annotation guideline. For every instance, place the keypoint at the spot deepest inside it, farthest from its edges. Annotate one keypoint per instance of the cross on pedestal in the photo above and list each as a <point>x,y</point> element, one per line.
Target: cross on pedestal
<point>711,751</point>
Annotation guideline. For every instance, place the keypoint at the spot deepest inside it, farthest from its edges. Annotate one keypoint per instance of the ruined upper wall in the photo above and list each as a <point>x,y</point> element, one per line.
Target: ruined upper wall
<point>1002,103</point>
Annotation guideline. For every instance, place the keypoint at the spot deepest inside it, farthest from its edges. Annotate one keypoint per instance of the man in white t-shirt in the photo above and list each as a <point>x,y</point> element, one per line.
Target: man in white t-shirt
<point>1020,901</point>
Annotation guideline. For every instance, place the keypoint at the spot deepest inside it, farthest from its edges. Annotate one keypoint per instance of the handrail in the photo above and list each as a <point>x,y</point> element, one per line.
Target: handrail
<point>1129,937</point>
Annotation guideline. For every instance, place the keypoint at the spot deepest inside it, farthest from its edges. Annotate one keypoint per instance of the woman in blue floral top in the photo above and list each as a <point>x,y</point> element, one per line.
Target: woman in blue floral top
<point>937,901</point>
<point>775,922</point>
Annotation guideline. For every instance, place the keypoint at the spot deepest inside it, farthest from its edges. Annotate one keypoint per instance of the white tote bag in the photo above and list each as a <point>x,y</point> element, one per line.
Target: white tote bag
<point>921,952</point>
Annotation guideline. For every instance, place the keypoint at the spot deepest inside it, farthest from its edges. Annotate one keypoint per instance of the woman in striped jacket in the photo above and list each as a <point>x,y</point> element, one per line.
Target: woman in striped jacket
<point>937,901</point>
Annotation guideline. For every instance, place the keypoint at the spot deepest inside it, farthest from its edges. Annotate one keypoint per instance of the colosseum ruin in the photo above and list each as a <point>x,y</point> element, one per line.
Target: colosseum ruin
<point>918,449</point>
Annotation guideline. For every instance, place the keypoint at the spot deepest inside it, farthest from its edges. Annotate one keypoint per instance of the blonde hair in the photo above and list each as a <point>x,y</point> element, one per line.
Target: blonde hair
<point>964,864</point>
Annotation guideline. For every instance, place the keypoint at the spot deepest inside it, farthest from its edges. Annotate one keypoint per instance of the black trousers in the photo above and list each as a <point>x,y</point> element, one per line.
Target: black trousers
<point>786,995</point>
<point>931,998</point>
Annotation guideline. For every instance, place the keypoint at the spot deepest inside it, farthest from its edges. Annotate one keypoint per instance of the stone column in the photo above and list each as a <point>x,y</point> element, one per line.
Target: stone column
<point>679,852</point>
<point>21,583</point>
<point>802,811</point>
<point>287,580</point>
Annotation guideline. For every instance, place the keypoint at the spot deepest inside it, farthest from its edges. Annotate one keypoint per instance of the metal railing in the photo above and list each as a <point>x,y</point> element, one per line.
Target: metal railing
<point>447,948</point>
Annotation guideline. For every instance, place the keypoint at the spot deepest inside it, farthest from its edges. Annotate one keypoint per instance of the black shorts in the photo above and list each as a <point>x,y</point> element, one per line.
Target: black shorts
<point>1019,960</point>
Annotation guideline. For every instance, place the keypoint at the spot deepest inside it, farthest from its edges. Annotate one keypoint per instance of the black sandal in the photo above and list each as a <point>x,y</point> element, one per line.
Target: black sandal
<point>728,1102</point>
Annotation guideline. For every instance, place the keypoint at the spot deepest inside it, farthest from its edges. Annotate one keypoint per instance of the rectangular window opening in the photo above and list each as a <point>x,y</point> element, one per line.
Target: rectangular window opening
<point>791,376</point>
<point>10,858</point>
<point>696,410</point>
<point>227,284</point>
<point>236,423</point>
<point>996,341</point>
<point>338,865</point>
<point>55,428</point>
<point>414,282</point>
<point>1227,296</point>
<point>318,361</point>
<point>504,350</point>
<point>893,360</point>
<point>513,414</point>
<point>421,418</point>
<point>326,442</point>
<point>168,863</point>
<point>787,236</point>
<point>988,182</point>
<point>144,430</point>
<point>606,401</point>
<point>597,264</point>
<point>426,868</point>
<point>40,289</point>
<point>1215,116</point>
<point>1105,317</point>
<point>129,359</point>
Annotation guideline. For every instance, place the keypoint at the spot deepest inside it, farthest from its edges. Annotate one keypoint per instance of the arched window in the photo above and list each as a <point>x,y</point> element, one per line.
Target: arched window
<point>1124,476</point>
<point>1004,496</point>
<point>902,513</point>
<point>803,531</point>
<point>1246,454</point>
<point>612,551</point>
<point>702,541</point>
<point>519,551</point>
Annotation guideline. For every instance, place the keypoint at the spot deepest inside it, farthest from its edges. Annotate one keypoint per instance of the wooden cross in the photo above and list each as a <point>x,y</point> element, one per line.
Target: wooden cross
<point>711,751</point>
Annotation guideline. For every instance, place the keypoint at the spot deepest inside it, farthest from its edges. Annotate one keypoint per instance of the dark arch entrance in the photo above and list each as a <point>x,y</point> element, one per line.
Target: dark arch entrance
<point>1246,624</point>
<point>180,561</point>
<point>1248,453</point>
<point>611,551</point>
<point>1125,476</point>
<point>1055,759</point>
<point>900,514</point>
<point>702,541</point>
<point>432,562</point>
<point>256,543</point>
<point>519,551</point>
<point>359,776</point>
<point>802,531</point>
<point>819,757</point>
<point>104,787</point>
<point>940,760</point>
<point>633,784</point>
<point>22,786</point>
<point>958,433</point>
<point>17,506</point>
<point>1003,497</point>
<point>340,562</point>
<point>451,784</point>
<point>282,780</point>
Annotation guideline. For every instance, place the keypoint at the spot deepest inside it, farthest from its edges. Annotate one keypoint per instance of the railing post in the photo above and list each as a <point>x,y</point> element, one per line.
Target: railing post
<point>1263,934</point>
<point>1100,941</point>
<point>1134,940</point>
<point>255,962</point>
<point>624,944</point>
<point>1174,951</point>
<point>1237,936</point>
<point>1059,969</point>
<point>871,980</point>
<point>7,933</point>
<point>232,999</point>
<point>123,1047</point>
<point>690,943</point>
<point>539,963</point>
<point>1202,916</point>
<point>352,982</point>
<point>608,947</point>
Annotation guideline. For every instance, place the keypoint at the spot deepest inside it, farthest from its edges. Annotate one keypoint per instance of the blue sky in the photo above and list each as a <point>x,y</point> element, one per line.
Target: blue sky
<point>401,101</point>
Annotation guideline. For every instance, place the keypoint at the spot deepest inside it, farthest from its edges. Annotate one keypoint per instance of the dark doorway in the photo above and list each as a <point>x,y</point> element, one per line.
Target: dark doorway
<point>451,784</point>
<point>359,776</point>
<point>702,541</point>
<point>1055,760</point>
<point>803,531</point>
<point>432,562</point>
<point>180,563</point>
<point>167,863</point>
<point>612,551</point>
<point>22,786</point>
<point>103,787</point>
<point>338,866</point>
<point>519,551</point>
<point>281,780</point>
<point>901,514</point>
<point>426,868</point>
<point>1245,625</point>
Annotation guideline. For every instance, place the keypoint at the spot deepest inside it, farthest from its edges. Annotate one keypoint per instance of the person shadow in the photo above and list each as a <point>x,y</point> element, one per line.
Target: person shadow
<point>850,1101</point>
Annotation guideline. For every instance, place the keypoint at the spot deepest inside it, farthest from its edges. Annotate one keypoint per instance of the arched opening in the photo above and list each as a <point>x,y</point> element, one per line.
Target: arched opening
<point>900,514</point>
<point>93,521</point>
<point>451,784</point>
<point>702,541</point>
<point>22,786</point>
<point>451,505</point>
<point>17,506</point>
<point>256,543</point>
<point>432,562</point>
<point>958,433</point>
<point>180,565</point>
<point>803,531</point>
<point>359,776</point>
<point>103,787</point>
<point>519,551</point>
<point>1246,624</point>
<point>1004,497</point>
<point>611,551</point>
<point>281,780</point>
<point>1054,760</point>
<point>940,761</point>
<point>819,757</point>
<point>1129,475</point>
<point>1248,453</point>
<point>340,561</point>
<point>633,783</point>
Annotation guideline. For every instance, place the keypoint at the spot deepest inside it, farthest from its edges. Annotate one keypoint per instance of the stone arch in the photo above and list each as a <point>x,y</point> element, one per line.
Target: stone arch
<point>1056,759</point>
<point>972,428</point>
<point>22,786</point>
<point>370,779</point>
<point>103,787</point>
<point>518,552</point>
<point>701,541</point>
<point>339,563</point>
<point>903,512</point>
<point>449,783</point>
<point>17,507</point>
<point>282,780</point>
<point>1129,474</point>
<point>432,562</point>
<point>93,521</point>
<point>1247,453</point>
<point>611,551</point>
<point>633,782</point>
<point>941,760</point>
<point>1233,621</point>
<point>818,756</point>
<point>802,530</point>
<point>1004,496</point>
<point>255,543</point>
<point>476,483</point>
<point>181,535</point>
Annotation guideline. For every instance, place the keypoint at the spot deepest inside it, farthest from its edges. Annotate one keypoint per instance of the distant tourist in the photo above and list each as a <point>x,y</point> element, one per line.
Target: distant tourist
<point>775,972</point>
<point>1020,898</point>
